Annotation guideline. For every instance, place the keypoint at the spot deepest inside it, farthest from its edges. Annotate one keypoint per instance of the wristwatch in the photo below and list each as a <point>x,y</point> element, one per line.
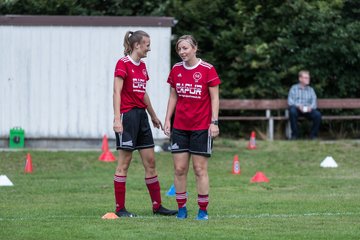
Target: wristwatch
<point>215,122</point>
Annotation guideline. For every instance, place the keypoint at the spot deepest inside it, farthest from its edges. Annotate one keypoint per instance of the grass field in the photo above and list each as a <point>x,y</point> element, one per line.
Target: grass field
<point>68,193</point>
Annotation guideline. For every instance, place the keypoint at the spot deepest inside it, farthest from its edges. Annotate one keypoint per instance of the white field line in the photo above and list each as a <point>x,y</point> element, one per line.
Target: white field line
<point>240,216</point>
<point>291,215</point>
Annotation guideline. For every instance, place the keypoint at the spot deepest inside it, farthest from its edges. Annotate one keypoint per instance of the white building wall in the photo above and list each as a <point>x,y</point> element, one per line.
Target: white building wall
<point>56,82</point>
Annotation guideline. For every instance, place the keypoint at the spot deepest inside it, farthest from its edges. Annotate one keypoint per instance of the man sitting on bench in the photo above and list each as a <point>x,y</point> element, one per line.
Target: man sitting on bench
<point>302,102</point>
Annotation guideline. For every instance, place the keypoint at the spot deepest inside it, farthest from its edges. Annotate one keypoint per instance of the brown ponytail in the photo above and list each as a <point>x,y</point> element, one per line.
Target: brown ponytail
<point>131,38</point>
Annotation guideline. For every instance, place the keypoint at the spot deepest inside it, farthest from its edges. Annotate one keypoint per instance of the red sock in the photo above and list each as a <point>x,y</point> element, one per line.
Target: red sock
<point>153,186</point>
<point>203,201</point>
<point>181,199</point>
<point>119,189</point>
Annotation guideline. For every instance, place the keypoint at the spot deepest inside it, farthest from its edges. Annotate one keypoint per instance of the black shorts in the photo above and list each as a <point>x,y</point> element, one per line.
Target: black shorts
<point>136,131</point>
<point>195,142</point>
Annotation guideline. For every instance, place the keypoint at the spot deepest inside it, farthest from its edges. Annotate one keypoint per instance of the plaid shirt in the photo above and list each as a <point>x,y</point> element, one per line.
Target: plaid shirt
<point>304,96</point>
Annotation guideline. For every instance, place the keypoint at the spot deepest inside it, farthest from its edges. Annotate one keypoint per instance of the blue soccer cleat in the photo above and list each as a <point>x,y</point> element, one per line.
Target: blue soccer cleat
<point>202,215</point>
<point>182,213</point>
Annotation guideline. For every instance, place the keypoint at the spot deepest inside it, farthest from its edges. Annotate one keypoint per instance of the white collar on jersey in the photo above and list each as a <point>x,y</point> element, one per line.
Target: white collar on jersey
<point>133,61</point>
<point>193,67</point>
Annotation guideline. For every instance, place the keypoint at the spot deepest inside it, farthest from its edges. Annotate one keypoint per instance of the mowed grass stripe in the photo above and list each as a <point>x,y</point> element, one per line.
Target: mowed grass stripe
<point>264,215</point>
<point>68,193</point>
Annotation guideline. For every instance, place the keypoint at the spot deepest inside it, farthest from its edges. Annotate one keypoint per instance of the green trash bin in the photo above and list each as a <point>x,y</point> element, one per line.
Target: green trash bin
<point>17,137</point>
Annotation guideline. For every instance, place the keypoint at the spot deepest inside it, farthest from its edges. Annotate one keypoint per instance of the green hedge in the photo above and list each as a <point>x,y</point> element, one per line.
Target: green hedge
<point>257,46</point>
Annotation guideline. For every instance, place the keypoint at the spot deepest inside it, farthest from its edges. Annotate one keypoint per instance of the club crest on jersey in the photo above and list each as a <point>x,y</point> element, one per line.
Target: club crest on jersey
<point>197,76</point>
<point>144,72</point>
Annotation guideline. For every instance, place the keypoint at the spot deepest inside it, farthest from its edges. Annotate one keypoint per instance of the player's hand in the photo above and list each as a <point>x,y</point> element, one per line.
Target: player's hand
<point>167,128</point>
<point>157,123</point>
<point>214,130</point>
<point>117,126</point>
<point>300,107</point>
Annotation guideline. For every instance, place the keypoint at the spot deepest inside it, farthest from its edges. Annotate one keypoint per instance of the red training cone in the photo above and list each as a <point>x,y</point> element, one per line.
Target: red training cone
<point>28,164</point>
<point>106,155</point>
<point>259,177</point>
<point>252,141</point>
<point>105,144</point>
<point>236,165</point>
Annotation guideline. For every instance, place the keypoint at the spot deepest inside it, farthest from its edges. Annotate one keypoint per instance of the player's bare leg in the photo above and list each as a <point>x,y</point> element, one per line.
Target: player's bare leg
<point>148,158</point>
<point>123,163</point>
<point>181,167</point>
<point>152,182</point>
<point>200,165</point>
<point>120,183</point>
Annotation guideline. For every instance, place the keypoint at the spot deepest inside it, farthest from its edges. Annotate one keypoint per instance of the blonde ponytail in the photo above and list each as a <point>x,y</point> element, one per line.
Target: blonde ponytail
<point>188,38</point>
<point>131,38</point>
<point>127,46</point>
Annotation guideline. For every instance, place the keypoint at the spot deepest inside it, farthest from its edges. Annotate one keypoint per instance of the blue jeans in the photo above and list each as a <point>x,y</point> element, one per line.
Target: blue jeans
<point>314,116</point>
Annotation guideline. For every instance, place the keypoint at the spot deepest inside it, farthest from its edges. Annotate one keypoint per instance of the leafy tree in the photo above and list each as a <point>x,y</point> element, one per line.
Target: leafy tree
<point>82,7</point>
<point>273,40</point>
<point>205,19</point>
<point>257,46</point>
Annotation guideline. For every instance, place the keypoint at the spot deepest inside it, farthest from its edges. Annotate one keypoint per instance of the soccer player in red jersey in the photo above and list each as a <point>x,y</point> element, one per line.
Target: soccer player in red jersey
<point>131,124</point>
<point>194,97</point>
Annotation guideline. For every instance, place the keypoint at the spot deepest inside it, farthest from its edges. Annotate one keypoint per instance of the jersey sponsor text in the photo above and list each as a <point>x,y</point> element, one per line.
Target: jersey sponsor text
<point>189,90</point>
<point>139,85</point>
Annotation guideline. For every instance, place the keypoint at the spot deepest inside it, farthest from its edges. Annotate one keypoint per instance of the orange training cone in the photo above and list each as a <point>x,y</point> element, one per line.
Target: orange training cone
<point>110,215</point>
<point>236,165</point>
<point>252,141</point>
<point>106,155</point>
<point>259,177</point>
<point>28,164</point>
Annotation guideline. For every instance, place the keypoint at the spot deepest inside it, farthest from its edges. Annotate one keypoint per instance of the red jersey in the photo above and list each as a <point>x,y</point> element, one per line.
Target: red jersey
<point>193,107</point>
<point>135,77</point>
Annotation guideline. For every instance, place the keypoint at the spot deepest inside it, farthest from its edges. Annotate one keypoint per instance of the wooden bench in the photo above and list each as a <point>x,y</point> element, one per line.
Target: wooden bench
<point>269,105</point>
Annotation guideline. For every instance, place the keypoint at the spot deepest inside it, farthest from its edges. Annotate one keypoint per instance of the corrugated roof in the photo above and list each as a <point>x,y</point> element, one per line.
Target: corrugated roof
<point>41,20</point>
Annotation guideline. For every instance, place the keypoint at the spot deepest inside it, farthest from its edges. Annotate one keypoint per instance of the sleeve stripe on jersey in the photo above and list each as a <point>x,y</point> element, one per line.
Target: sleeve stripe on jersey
<point>207,65</point>
<point>213,79</point>
<point>125,59</point>
<point>121,70</point>
<point>178,64</point>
